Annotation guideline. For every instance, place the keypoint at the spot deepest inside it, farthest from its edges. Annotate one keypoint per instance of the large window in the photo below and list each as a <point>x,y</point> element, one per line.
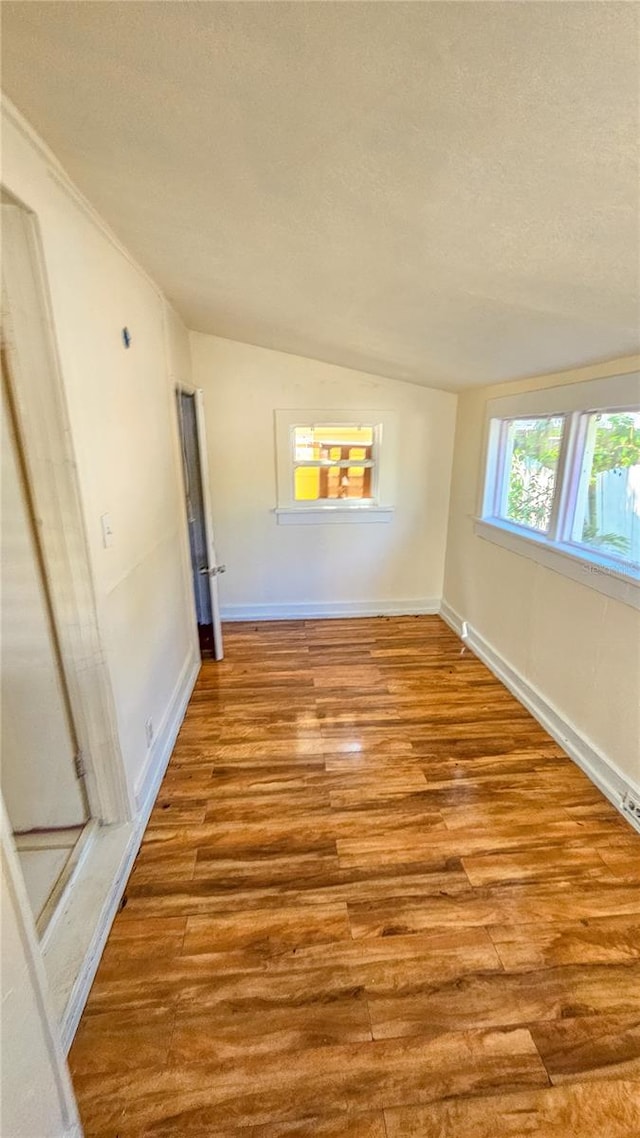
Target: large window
<point>567,483</point>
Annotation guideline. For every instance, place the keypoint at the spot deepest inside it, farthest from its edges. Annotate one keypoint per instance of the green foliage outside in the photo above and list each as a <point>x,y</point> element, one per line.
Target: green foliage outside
<point>534,461</point>
<point>536,447</point>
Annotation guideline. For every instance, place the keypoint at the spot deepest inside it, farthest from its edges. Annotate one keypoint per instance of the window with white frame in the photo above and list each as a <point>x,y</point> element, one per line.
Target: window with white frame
<point>335,466</point>
<point>566,482</point>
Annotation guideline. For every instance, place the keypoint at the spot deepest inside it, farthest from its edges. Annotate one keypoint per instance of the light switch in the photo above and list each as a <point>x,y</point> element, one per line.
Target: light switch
<point>107,532</point>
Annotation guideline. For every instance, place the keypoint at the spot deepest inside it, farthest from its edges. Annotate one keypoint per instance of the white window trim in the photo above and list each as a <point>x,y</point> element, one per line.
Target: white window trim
<point>605,573</point>
<point>333,515</point>
<point>378,509</point>
<point>595,572</point>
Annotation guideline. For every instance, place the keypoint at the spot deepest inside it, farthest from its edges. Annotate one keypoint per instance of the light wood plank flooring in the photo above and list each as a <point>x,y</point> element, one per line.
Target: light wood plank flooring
<point>374,899</point>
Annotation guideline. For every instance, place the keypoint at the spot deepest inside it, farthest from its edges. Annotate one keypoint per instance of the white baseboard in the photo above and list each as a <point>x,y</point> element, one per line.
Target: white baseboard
<point>72,949</point>
<point>309,610</point>
<point>155,765</point>
<point>451,617</point>
<point>75,943</point>
<point>602,771</point>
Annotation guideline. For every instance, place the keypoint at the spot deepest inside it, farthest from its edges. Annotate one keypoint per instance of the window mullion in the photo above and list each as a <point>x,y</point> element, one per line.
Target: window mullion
<point>573,475</point>
<point>564,479</point>
<point>504,462</point>
<point>319,463</point>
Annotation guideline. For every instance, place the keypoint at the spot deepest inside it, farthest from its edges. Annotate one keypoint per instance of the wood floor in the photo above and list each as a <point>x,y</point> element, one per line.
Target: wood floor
<point>374,899</point>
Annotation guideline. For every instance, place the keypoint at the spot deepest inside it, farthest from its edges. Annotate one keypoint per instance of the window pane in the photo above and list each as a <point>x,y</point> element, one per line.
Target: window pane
<point>355,481</point>
<point>607,516</point>
<point>531,463</point>
<point>313,483</point>
<point>306,483</point>
<point>327,442</point>
<point>332,483</point>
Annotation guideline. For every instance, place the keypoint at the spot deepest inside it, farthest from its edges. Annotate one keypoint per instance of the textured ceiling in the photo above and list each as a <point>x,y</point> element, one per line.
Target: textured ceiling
<point>440,192</point>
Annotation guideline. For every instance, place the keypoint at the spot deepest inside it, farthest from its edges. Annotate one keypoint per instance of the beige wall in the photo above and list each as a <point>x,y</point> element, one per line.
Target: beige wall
<point>122,414</point>
<point>276,565</point>
<point>578,648</point>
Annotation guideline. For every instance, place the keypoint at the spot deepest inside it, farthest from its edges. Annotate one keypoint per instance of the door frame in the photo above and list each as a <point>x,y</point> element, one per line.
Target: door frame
<point>38,406</point>
<point>183,388</point>
<point>36,983</point>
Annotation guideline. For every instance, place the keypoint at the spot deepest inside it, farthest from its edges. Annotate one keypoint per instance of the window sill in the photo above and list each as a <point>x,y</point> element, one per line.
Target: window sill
<point>603,574</point>
<point>332,515</point>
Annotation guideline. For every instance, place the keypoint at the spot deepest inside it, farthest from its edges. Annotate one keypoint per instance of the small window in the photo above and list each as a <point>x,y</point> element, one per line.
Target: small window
<point>335,467</point>
<point>333,463</point>
<point>606,517</point>
<point>530,456</point>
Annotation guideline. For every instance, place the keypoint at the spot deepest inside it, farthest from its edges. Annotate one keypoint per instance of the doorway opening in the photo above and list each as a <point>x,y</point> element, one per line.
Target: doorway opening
<point>204,567</point>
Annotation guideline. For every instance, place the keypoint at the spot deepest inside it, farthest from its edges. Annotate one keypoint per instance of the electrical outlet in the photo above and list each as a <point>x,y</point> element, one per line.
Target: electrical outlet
<point>148,731</point>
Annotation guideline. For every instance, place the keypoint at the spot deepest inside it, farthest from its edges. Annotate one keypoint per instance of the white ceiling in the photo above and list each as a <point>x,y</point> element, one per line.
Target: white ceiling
<point>440,192</point>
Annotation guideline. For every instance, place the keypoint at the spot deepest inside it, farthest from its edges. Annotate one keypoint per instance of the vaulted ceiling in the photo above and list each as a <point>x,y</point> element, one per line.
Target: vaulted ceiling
<point>440,192</point>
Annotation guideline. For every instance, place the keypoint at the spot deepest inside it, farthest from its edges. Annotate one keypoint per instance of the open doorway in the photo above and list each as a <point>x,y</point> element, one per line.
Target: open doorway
<point>204,567</point>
